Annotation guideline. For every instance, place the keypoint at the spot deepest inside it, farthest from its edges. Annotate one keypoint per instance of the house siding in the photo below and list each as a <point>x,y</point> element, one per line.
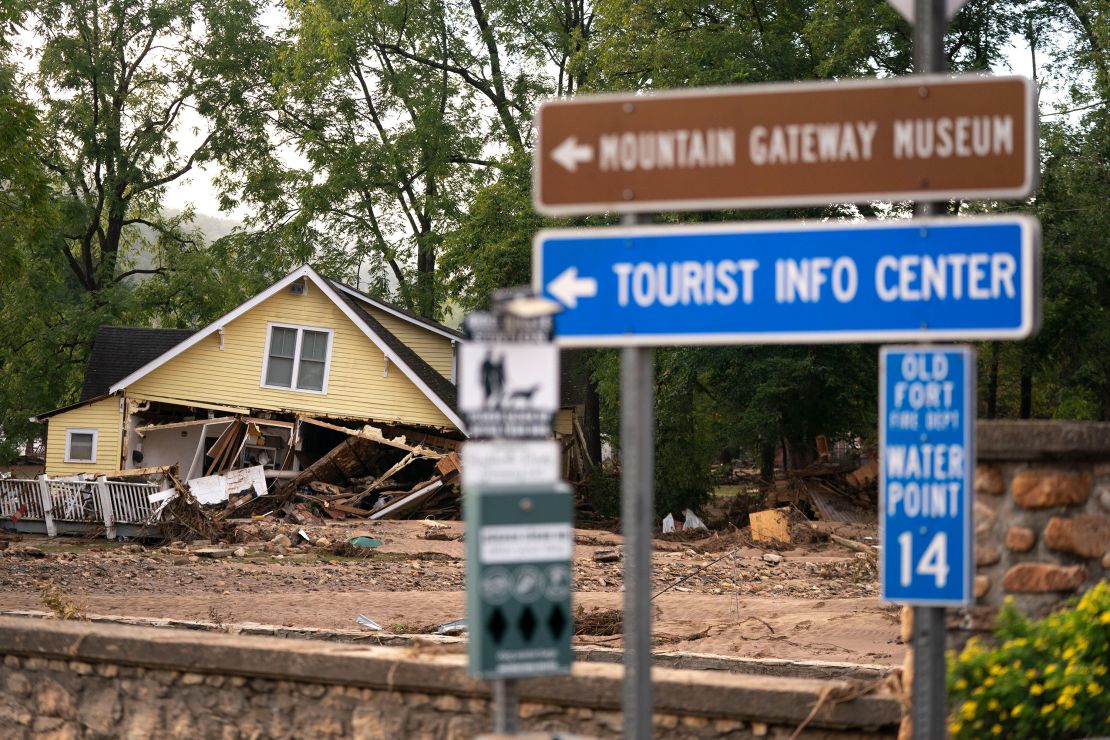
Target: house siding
<point>434,349</point>
<point>105,417</point>
<point>356,385</point>
<point>564,422</point>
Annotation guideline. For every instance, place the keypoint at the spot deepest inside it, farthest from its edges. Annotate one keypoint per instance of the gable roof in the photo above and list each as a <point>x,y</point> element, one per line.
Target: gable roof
<point>441,385</point>
<point>118,351</point>
<point>438,389</point>
<point>401,313</point>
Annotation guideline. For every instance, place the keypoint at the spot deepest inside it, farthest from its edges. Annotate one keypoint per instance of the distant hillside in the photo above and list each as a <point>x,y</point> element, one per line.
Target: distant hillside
<point>211,229</point>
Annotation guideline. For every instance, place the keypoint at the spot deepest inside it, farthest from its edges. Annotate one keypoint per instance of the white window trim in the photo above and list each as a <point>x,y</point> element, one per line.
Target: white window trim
<point>69,438</point>
<point>296,358</point>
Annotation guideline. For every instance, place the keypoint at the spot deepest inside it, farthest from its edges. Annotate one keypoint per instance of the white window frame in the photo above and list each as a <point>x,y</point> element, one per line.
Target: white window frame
<point>69,438</point>
<point>296,357</point>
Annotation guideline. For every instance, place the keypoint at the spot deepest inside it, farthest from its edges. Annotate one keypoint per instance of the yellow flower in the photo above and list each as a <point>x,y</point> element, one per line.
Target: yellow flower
<point>1031,673</point>
<point>989,682</point>
<point>1094,689</point>
<point>961,684</point>
<point>1069,653</point>
<point>955,727</point>
<point>968,709</point>
<point>1036,689</point>
<point>1050,668</point>
<point>1047,708</point>
<point>1104,618</point>
<point>996,730</point>
<point>1017,710</point>
<point>993,704</point>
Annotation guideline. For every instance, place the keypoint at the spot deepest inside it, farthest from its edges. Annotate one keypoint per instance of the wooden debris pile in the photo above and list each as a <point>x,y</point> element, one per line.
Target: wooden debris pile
<point>833,492</point>
<point>372,475</point>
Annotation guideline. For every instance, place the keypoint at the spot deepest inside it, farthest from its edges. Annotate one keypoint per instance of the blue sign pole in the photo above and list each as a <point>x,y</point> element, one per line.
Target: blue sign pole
<point>787,282</point>
<point>927,448</point>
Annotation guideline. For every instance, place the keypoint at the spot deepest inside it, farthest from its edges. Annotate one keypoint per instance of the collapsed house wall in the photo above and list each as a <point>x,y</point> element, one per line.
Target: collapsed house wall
<point>170,447</point>
<point>228,369</point>
<point>106,417</point>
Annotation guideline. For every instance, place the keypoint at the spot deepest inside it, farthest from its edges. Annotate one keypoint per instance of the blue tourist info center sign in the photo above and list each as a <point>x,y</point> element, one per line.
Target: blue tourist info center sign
<point>791,282</point>
<point>927,448</point>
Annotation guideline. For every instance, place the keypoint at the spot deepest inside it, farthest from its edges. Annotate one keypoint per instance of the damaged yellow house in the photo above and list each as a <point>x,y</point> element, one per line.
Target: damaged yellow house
<point>305,348</point>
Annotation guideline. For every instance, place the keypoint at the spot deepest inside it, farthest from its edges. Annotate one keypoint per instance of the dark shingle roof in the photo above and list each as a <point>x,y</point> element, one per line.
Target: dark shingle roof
<point>119,351</point>
<point>439,385</point>
<point>393,306</point>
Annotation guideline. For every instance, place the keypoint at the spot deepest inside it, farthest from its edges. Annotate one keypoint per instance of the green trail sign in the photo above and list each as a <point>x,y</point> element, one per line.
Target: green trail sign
<point>519,545</point>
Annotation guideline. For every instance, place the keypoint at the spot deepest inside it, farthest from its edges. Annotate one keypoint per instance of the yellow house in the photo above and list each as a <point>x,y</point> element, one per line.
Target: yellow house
<point>307,347</point>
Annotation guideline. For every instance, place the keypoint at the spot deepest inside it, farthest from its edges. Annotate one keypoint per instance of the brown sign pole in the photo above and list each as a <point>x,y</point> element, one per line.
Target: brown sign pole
<point>911,138</point>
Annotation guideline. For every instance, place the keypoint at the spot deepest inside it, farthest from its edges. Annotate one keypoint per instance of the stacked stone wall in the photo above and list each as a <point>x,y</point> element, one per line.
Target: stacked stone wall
<point>84,680</point>
<point>1042,515</point>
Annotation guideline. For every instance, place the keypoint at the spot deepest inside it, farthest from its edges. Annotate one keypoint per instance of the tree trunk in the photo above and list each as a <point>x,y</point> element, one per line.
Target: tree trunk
<point>767,462</point>
<point>591,421</point>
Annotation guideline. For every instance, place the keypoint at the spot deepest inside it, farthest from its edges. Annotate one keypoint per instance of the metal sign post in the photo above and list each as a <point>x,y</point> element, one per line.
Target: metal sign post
<point>637,525</point>
<point>929,712</point>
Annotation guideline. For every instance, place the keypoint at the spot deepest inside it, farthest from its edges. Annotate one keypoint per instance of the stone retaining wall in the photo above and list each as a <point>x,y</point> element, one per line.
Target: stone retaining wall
<point>1042,514</point>
<point>80,679</point>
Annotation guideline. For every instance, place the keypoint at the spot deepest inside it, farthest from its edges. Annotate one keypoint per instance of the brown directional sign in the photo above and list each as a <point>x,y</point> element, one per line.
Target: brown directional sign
<point>910,138</point>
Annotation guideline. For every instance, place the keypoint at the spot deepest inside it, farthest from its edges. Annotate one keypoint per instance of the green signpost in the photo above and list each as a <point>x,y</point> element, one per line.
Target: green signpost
<point>519,545</point>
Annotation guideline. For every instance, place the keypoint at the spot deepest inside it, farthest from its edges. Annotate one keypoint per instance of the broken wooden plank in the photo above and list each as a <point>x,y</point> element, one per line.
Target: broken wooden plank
<point>353,510</point>
<point>375,434</point>
<point>332,461</point>
<point>392,510</point>
<point>426,438</point>
<point>143,472</point>
<point>449,464</point>
<point>182,424</point>
<point>384,478</point>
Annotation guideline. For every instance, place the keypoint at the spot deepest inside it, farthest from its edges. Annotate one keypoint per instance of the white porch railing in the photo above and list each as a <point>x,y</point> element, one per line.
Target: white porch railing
<point>97,502</point>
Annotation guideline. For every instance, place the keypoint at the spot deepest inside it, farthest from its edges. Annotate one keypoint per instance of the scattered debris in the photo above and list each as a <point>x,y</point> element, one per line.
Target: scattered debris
<point>771,526</point>
<point>457,627</point>
<point>772,558</point>
<point>692,521</point>
<point>365,543</point>
<point>607,556</point>
<point>368,623</point>
<point>836,492</point>
<point>214,552</point>
<point>598,622</point>
<point>61,603</point>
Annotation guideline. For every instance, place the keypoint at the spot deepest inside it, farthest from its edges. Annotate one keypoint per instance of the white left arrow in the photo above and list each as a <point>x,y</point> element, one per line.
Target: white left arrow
<point>570,153</point>
<point>568,287</point>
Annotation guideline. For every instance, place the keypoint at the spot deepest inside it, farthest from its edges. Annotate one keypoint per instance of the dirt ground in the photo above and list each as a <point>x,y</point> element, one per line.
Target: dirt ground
<point>716,595</point>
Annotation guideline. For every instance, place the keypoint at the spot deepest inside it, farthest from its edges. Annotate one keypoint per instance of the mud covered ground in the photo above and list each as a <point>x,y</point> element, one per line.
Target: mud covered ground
<point>715,595</point>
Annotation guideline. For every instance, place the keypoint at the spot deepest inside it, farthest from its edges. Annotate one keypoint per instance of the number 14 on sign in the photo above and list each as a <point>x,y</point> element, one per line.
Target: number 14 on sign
<point>933,562</point>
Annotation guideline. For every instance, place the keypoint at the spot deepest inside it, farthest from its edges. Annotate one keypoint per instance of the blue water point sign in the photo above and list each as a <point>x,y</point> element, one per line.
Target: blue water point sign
<point>927,460</point>
<point>792,282</point>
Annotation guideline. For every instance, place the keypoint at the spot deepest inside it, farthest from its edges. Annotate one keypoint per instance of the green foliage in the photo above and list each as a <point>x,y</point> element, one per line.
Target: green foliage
<point>492,246</point>
<point>1045,679</point>
<point>603,492</point>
